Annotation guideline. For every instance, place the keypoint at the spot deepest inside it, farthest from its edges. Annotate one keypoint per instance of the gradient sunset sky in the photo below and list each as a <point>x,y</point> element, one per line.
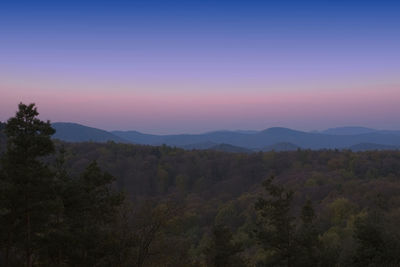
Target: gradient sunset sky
<point>196,66</point>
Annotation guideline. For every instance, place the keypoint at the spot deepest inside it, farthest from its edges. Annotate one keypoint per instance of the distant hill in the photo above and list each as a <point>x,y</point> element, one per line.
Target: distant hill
<point>276,138</point>
<point>270,137</point>
<point>369,146</point>
<point>389,132</point>
<point>205,145</point>
<point>73,132</point>
<point>349,130</point>
<point>139,138</point>
<point>181,140</point>
<point>230,148</point>
<point>247,131</point>
<point>281,147</point>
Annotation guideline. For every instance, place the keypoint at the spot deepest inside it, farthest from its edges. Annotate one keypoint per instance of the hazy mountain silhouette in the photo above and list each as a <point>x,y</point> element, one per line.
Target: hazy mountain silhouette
<point>246,131</point>
<point>268,137</point>
<point>73,132</point>
<point>139,138</point>
<point>349,130</point>
<point>205,145</point>
<point>230,148</point>
<point>276,138</point>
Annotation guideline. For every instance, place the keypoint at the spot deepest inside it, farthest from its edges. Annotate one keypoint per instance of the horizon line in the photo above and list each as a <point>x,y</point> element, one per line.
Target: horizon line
<point>321,131</point>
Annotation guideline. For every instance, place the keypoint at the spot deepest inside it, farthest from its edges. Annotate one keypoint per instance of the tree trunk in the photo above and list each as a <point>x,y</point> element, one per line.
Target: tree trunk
<point>7,254</point>
<point>28,237</point>
<point>9,243</point>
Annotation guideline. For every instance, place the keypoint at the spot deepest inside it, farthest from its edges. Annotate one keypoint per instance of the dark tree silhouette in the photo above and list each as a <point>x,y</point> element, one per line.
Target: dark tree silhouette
<point>27,183</point>
<point>276,231</point>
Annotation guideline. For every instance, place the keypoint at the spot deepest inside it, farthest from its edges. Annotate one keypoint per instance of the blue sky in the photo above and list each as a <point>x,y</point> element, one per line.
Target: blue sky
<point>173,54</point>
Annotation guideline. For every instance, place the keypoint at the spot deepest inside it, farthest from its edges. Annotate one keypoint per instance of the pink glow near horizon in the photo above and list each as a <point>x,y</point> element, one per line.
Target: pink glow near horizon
<point>185,67</point>
<point>197,112</point>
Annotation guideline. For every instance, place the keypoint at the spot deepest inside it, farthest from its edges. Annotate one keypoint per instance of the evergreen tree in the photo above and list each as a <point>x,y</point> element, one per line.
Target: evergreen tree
<point>27,185</point>
<point>307,242</point>
<point>287,240</point>
<point>91,206</point>
<point>53,246</point>
<point>276,228</point>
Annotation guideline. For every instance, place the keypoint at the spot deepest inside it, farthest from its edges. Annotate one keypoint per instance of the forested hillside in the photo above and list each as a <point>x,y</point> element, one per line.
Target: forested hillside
<point>113,204</point>
<point>73,132</point>
<point>149,170</point>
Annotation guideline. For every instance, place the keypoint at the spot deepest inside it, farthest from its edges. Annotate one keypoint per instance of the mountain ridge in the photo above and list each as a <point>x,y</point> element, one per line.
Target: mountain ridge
<point>74,132</point>
<point>274,138</point>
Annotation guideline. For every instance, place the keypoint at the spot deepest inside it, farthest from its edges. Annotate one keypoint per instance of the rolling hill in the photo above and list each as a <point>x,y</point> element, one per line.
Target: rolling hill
<point>276,138</point>
<point>230,148</point>
<point>349,130</point>
<point>73,132</point>
<point>281,147</point>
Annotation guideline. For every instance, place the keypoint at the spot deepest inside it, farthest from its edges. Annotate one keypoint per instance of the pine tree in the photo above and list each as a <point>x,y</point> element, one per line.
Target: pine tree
<point>276,227</point>
<point>53,245</point>
<point>27,185</point>
<point>307,242</point>
<point>91,206</point>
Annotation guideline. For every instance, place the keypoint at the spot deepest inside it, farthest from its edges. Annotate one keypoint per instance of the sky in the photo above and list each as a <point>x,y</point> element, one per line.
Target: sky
<point>195,66</point>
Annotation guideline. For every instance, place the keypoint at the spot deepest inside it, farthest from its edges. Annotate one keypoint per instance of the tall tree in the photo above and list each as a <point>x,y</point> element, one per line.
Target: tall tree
<point>276,228</point>
<point>307,242</point>
<point>53,245</point>
<point>91,206</point>
<point>27,183</point>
